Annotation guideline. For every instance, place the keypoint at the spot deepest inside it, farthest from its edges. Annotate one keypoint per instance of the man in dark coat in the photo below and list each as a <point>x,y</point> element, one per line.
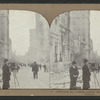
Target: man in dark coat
<point>73,75</point>
<point>6,75</point>
<point>35,70</point>
<point>86,75</point>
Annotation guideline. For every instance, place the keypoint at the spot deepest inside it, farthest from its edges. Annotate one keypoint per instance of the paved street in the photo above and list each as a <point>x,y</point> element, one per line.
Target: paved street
<point>62,81</point>
<point>26,81</point>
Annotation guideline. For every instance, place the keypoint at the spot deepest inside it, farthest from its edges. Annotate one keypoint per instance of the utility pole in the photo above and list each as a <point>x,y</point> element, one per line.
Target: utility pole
<point>8,36</point>
<point>89,35</point>
<point>68,35</point>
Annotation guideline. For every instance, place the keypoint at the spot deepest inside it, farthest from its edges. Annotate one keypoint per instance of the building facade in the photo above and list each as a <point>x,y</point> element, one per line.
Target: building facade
<point>39,40</point>
<point>61,52</point>
<point>4,35</point>
<point>80,27</point>
<point>70,39</point>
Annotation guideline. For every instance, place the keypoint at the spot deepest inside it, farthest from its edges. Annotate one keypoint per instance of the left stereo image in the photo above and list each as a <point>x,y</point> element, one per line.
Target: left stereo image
<point>24,50</point>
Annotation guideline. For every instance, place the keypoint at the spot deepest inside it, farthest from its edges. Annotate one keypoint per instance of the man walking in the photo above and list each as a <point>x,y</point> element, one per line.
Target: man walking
<point>35,70</point>
<point>73,75</point>
<point>6,75</point>
<point>86,75</point>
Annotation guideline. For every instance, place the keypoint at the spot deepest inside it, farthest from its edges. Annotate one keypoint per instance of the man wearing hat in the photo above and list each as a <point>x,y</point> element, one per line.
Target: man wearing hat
<point>86,75</point>
<point>35,70</point>
<point>6,75</point>
<point>73,75</point>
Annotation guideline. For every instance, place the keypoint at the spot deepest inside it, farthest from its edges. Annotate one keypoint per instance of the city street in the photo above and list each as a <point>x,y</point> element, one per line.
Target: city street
<point>26,81</point>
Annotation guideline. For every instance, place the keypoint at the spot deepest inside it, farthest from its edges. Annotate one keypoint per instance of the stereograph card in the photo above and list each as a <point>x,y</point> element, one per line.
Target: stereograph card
<point>49,49</point>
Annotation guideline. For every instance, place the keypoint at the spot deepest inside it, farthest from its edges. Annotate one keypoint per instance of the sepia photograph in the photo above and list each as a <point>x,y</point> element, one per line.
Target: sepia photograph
<point>64,55</point>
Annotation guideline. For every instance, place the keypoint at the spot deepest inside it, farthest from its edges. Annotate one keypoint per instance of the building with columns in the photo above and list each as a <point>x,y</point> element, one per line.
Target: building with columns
<point>70,39</point>
<point>61,43</point>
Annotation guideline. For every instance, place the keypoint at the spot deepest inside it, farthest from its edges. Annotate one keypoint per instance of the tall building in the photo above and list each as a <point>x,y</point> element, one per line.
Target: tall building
<point>42,28</point>
<point>4,35</point>
<point>80,28</point>
<point>39,40</point>
<point>35,51</point>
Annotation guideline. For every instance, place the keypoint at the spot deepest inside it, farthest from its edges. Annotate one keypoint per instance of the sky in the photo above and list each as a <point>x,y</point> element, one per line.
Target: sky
<point>95,29</point>
<point>20,23</point>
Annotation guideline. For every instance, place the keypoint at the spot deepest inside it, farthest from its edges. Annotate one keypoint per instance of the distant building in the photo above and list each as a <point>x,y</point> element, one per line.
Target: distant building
<point>34,45</point>
<point>39,41</point>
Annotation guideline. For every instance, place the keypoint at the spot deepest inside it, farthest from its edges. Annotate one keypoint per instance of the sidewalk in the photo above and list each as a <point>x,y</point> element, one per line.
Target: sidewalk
<point>60,82</point>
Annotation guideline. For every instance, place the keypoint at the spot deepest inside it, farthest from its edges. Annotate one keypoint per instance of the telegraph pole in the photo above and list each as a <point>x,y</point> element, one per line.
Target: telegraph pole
<point>89,35</point>
<point>8,40</point>
<point>68,35</point>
